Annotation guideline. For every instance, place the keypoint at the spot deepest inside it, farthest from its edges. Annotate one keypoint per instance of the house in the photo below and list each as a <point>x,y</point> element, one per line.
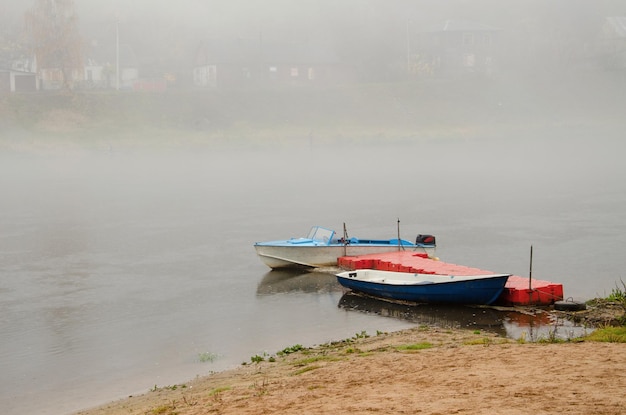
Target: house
<point>17,81</point>
<point>612,43</point>
<point>455,47</point>
<point>18,75</point>
<point>100,68</point>
<point>241,62</point>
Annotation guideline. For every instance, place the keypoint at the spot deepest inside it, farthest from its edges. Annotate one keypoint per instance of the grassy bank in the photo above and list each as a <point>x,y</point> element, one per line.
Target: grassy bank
<point>428,109</point>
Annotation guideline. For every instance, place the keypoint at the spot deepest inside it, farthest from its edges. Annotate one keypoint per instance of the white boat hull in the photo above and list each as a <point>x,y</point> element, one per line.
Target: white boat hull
<point>319,256</point>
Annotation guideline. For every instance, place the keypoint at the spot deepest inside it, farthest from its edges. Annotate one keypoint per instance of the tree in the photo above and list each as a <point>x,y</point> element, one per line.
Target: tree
<point>56,43</point>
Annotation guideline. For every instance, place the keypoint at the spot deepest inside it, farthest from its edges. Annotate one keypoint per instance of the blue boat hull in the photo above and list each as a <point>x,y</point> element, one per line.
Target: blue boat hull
<point>482,291</point>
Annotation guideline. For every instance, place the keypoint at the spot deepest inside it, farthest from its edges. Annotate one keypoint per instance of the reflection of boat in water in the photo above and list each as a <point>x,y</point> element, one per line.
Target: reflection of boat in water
<point>441,315</point>
<point>530,325</point>
<point>289,280</point>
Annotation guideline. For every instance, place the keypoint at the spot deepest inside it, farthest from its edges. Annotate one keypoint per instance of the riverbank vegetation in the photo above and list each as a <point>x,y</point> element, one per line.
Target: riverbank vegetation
<point>432,108</point>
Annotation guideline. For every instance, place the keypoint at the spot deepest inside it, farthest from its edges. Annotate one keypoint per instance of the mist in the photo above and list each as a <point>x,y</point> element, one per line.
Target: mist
<point>130,198</point>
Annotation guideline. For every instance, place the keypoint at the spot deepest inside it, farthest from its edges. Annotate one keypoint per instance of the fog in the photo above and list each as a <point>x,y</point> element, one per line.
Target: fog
<point>127,217</point>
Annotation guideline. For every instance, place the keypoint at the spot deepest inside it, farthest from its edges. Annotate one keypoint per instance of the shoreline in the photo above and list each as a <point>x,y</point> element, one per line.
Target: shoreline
<point>419,370</point>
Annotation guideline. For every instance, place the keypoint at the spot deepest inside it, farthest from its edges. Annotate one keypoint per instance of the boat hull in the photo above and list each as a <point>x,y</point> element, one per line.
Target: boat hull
<point>288,256</point>
<point>426,288</point>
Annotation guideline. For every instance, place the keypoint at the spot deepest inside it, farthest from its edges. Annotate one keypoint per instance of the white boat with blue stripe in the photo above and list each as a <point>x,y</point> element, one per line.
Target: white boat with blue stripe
<point>322,246</point>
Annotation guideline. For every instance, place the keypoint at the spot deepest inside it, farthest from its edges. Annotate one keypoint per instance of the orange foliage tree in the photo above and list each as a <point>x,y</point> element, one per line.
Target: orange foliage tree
<point>55,41</point>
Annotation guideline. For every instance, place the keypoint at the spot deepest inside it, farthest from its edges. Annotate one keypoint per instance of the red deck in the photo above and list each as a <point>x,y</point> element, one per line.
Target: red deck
<point>516,290</point>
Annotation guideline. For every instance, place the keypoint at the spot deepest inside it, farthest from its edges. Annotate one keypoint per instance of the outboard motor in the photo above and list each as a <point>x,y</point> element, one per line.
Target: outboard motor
<point>425,239</point>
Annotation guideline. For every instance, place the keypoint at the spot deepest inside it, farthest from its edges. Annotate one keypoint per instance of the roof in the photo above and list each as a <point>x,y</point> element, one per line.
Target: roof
<point>245,51</point>
<point>461,26</point>
<point>108,54</point>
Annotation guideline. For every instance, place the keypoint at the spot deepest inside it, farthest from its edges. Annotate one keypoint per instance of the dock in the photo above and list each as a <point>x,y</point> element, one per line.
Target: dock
<point>518,291</point>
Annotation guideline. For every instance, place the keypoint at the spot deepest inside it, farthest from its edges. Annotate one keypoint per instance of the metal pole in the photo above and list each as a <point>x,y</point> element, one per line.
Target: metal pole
<point>408,49</point>
<point>345,240</point>
<point>117,55</point>
<point>398,234</point>
<point>530,274</point>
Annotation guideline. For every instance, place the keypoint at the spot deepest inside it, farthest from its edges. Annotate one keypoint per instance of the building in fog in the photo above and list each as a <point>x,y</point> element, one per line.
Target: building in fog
<point>455,48</point>
<point>612,43</point>
<point>241,62</point>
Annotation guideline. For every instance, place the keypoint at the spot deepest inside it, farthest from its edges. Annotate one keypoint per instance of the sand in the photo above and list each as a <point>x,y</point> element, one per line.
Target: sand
<point>463,372</point>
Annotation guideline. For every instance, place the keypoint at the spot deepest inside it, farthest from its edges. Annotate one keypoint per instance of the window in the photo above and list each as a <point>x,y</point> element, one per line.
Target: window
<point>468,39</point>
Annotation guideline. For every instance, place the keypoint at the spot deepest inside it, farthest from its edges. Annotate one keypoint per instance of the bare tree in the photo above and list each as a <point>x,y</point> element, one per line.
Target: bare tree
<point>56,43</point>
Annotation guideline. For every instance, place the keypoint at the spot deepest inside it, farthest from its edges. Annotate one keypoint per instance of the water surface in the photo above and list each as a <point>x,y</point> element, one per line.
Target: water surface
<point>120,268</point>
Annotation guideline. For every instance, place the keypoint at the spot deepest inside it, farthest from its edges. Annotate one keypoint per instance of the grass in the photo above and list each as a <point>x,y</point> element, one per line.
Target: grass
<point>217,391</point>
<point>289,350</point>
<point>608,334</point>
<point>618,294</point>
<point>414,346</point>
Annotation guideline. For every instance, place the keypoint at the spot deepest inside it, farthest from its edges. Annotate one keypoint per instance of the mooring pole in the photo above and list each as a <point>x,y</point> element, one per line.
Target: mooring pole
<point>398,234</point>
<point>345,240</point>
<point>530,274</point>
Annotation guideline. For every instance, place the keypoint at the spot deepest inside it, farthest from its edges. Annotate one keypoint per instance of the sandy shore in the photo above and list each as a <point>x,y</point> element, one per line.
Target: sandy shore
<point>422,370</point>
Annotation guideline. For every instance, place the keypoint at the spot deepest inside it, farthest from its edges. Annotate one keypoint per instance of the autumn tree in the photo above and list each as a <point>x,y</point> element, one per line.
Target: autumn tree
<point>55,41</point>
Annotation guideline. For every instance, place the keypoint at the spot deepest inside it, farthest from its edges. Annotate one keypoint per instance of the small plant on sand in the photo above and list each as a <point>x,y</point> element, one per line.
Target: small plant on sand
<point>485,341</point>
<point>167,409</point>
<point>170,387</point>
<point>618,294</point>
<point>289,350</point>
<point>216,393</point>
<point>262,388</point>
<point>257,359</point>
<point>362,335</point>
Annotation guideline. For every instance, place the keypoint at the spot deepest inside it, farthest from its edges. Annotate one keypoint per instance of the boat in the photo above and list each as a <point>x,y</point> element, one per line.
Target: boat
<point>425,288</point>
<point>322,246</point>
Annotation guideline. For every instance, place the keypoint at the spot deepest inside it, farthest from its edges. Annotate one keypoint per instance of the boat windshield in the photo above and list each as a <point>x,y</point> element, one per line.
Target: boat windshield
<point>320,234</point>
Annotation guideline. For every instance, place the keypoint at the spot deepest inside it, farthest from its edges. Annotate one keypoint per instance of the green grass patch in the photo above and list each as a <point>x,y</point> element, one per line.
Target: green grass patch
<point>483,341</point>
<point>292,349</point>
<point>415,346</point>
<point>608,334</point>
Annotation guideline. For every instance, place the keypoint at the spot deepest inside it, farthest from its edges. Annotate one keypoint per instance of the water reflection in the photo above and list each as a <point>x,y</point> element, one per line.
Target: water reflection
<point>452,316</point>
<point>289,281</point>
<point>515,323</point>
<point>529,325</point>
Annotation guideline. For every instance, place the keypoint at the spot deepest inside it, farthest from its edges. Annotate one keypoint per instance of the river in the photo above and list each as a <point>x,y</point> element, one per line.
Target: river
<point>126,268</point>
